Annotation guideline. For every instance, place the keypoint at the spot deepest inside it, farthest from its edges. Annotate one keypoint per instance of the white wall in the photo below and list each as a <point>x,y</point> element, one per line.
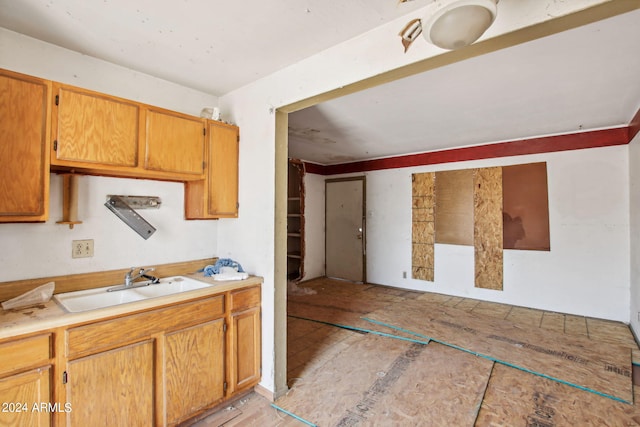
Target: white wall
<point>585,273</point>
<point>314,214</point>
<point>39,250</point>
<point>252,238</point>
<point>634,201</point>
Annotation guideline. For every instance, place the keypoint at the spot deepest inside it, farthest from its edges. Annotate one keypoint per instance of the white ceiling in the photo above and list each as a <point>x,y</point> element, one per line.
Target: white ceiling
<point>213,46</point>
<point>580,79</point>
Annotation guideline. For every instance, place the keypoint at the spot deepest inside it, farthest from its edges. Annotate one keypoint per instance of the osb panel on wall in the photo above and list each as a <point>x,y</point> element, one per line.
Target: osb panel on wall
<point>526,207</point>
<point>423,229</point>
<point>487,225</point>
<point>454,207</point>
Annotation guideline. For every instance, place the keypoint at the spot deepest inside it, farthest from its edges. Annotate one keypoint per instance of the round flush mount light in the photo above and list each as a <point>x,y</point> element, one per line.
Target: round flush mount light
<point>456,24</point>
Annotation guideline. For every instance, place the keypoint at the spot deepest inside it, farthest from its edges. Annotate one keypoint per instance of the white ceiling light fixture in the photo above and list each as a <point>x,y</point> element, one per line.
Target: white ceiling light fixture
<point>454,24</point>
<point>459,23</point>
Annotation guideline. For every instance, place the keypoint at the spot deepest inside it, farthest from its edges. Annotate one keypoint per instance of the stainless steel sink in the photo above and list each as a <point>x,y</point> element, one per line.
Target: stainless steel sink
<point>92,299</point>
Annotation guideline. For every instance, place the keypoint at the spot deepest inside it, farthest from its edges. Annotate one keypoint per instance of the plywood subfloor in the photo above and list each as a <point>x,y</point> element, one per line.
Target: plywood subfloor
<point>252,410</point>
<point>377,381</point>
<point>598,366</point>
<point>345,377</point>
<point>536,401</point>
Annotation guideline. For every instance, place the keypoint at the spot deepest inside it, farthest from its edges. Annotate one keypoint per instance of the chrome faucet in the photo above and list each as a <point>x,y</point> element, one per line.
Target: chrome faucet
<point>130,278</point>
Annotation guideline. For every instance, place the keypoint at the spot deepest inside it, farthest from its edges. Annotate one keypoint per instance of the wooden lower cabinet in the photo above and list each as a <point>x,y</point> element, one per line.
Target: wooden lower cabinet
<point>246,349</point>
<point>25,381</point>
<point>113,388</point>
<point>163,366</point>
<point>22,396</point>
<point>194,370</point>
<point>245,333</point>
<point>159,367</point>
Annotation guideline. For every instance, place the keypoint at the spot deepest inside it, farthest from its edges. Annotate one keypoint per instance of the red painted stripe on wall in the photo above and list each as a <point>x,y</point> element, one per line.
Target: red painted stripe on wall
<point>314,168</point>
<point>634,126</point>
<point>547,144</point>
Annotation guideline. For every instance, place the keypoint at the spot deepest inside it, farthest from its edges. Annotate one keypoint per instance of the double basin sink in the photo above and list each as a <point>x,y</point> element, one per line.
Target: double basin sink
<point>92,299</point>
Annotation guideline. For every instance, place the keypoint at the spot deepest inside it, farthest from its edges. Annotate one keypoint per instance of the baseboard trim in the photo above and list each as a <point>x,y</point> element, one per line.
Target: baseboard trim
<point>268,394</point>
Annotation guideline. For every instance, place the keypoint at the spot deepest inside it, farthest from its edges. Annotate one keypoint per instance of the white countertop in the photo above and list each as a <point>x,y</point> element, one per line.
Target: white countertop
<point>51,315</point>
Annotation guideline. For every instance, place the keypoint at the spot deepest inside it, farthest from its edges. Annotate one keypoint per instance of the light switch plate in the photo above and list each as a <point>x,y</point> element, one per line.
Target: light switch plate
<point>82,248</point>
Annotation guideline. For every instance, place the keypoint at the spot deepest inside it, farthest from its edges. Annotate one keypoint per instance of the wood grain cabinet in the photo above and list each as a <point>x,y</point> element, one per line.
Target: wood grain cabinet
<point>24,146</point>
<point>194,370</point>
<point>50,126</point>
<point>159,367</point>
<point>91,129</point>
<point>100,134</point>
<point>174,143</point>
<point>217,195</point>
<point>162,367</point>
<point>25,381</point>
<point>244,360</point>
<point>114,387</point>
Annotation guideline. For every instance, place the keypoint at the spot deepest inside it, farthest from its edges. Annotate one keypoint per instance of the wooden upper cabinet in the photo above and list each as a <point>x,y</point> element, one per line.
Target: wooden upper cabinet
<point>93,128</point>
<point>223,170</point>
<point>217,195</point>
<point>100,134</point>
<point>24,145</point>
<point>174,143</point>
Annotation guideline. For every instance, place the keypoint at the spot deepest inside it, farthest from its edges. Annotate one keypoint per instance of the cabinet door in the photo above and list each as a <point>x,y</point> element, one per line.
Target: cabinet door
<point>175,143</point>
<point>19,394</point>
<point>93,128</point>
<point>245,371</point>
<point>113,388</point>
<point>194,370</point>
<point>24,163</point>
<point>216,196</point>
<point>223,170</point>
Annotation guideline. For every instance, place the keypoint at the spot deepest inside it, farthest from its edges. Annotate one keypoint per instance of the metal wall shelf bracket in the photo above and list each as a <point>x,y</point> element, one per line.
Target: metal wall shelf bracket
<point>124,211</point>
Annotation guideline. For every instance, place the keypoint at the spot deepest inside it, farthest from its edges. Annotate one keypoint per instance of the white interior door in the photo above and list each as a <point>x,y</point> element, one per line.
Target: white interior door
<point>345,229</point>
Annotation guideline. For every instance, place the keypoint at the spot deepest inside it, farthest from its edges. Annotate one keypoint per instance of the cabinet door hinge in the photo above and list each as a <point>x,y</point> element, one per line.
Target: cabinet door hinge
<point>237,205</point>
<point>238,138</point>
<point>55,145</point>
<point>224,386</point>
<point>65,377</point>
<point>224,327</point>
<point>57,99</point>
<point>204,165</point>
<point>204,131</point>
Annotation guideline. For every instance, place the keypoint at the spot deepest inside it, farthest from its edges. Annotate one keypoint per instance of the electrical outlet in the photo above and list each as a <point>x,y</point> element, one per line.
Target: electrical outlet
<point>82,248</point>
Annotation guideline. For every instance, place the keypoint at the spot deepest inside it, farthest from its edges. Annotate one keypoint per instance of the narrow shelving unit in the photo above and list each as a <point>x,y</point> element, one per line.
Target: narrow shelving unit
<point>295,220</point>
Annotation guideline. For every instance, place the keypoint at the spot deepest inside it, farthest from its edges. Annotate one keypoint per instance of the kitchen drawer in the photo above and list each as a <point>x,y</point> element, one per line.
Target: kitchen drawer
<point>245,298</point>
<point>25,353</point>
<point>100,336</point>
